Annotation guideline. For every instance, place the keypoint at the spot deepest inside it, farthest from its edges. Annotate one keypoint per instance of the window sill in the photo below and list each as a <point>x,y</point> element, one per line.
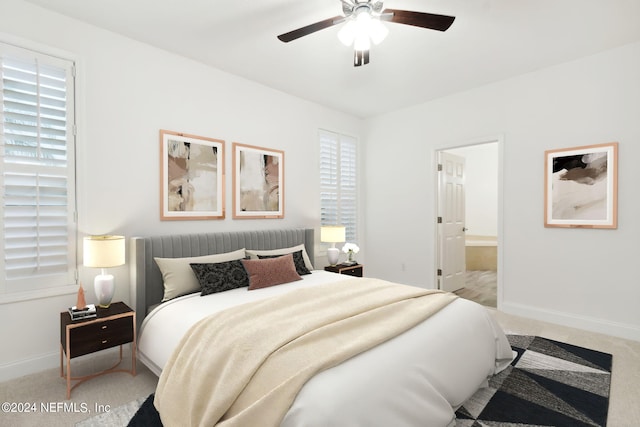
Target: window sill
<point>13,297</point>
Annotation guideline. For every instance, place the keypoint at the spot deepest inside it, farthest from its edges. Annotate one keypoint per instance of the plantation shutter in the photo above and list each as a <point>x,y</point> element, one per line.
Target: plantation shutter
<point>338,182</point>
<point>38,170</point>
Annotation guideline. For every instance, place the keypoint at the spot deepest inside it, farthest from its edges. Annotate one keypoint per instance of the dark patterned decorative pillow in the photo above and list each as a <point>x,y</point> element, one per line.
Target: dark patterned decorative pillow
<point>298,261</point>
<point>271,271</point>
<point>221,276</point>
<point>253,253</point>
<point>178,276</point>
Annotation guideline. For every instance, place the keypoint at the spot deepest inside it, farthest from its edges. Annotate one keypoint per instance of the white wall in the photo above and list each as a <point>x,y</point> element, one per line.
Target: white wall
<point>481,188</point>
<point>127,92</point>
<point>578,277</point>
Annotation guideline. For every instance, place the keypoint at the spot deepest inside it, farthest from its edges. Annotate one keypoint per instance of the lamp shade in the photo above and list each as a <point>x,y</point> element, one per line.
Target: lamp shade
<point>103,251</point>
<point>333,233</point>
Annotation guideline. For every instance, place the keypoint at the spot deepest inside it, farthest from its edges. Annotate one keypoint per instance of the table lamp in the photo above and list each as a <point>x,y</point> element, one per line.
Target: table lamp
<point>333,234</point>
<point>104,252</point>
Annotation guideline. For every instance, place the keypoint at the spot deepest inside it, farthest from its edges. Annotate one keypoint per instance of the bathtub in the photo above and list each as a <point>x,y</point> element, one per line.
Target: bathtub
<point>481,252</point>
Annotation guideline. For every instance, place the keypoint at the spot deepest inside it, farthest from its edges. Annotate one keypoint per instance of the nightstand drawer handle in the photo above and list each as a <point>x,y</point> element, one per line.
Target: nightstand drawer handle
<point>104,326</point>
<point>104,341</point>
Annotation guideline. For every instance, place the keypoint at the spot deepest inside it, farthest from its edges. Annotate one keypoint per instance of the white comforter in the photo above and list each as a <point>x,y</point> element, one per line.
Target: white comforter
<point>415,379</point>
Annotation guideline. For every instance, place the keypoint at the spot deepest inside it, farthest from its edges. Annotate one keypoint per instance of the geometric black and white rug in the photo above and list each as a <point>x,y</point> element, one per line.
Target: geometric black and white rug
<point>116,417</point>
<point>549,383</point>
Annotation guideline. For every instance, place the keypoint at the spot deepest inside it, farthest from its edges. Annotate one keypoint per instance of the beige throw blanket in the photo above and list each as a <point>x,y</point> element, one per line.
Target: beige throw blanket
<point>244,366</point>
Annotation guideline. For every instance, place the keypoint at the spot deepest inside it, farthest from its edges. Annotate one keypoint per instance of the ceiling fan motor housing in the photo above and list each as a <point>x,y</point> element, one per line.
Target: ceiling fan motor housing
<point>359,7</point>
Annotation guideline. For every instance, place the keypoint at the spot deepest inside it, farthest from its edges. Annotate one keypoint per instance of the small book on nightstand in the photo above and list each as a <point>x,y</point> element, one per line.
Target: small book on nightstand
<point>85,313</point>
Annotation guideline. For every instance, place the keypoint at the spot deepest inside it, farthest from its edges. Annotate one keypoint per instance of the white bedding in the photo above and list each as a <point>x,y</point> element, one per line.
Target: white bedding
<point>415,379</point>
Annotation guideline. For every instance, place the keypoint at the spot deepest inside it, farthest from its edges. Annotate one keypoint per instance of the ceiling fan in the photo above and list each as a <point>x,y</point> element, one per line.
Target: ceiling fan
<point>362,25</point>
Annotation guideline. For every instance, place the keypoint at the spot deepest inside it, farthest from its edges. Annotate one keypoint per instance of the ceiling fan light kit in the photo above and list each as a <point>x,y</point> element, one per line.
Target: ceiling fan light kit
<point>363,25</point>
<point>361,29</point>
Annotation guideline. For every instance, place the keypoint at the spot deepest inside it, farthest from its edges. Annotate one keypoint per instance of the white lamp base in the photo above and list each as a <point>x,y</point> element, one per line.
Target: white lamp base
<point>105,287</point>
<point>333,254</point>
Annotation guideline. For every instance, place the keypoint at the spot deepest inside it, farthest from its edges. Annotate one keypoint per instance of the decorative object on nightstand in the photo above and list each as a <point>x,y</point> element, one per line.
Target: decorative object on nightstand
<point>81,310</point>
<point>350,270</point>
<point>333,234</point>
<point>88,312</point>
<point>81,303</point>
<point>111,327</point>
<point>351,249</point>
<point>104,252</point>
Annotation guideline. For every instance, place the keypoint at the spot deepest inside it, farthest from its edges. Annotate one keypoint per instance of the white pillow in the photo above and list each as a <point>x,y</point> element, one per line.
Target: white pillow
<point>253,254</point>
<point>178,277</point>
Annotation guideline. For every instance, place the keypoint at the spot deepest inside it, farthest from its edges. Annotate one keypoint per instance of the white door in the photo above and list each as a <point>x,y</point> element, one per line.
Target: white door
<point>451,222</point>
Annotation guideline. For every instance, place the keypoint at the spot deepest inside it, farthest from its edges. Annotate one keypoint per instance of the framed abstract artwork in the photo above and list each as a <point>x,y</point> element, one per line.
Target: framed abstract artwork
<point>581,187</point>
<point>192,177</point>
<point>258,182</point>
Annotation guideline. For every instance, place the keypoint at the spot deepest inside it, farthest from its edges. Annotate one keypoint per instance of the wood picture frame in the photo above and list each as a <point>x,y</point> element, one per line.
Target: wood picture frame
<point>191,177</point>
<point>258,182</point>
<point>581,187</point>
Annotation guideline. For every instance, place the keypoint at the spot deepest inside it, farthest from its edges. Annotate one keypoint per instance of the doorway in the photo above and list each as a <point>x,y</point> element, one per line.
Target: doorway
<point>480,226</point>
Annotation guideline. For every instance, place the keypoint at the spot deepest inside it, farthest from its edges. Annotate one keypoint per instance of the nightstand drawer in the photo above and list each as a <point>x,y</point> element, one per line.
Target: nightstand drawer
<point>354,271</point>
<point>350,270</point>
<point>100,335</point>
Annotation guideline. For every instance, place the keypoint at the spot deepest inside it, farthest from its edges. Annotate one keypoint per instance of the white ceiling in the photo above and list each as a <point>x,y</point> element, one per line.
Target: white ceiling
<point>489,41</point>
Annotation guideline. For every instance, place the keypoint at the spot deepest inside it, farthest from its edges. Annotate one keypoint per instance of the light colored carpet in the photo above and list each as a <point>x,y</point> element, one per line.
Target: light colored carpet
<point>47,391</point>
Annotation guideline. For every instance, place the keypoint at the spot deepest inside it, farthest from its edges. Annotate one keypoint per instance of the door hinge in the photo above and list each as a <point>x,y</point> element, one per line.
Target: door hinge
<point>439,167</point>
<point>439,220</point>
<point>439,272</point>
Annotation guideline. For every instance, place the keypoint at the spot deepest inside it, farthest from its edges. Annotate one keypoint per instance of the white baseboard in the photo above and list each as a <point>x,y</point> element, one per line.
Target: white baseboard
<point>28,366</point>
<point>43,362</point>
<point>616,329</point>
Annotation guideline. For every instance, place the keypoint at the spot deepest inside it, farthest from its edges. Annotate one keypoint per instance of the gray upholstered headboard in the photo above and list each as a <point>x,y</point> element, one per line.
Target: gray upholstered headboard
<point>146,280</point>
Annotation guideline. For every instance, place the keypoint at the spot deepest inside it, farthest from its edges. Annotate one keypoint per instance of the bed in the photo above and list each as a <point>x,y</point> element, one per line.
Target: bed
<point>416,378</point>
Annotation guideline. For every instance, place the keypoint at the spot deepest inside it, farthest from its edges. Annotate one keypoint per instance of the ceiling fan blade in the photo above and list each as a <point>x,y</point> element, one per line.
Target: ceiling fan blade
<point>418,19</point>
<point>303,31</point>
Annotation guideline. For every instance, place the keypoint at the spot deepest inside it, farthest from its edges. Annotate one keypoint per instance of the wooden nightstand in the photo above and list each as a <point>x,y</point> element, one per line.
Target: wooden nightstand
<point>113,326</point>
<point>351,270</point>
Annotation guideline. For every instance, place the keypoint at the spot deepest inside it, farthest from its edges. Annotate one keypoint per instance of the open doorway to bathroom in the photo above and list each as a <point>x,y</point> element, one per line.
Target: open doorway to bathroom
<point>482,220</point>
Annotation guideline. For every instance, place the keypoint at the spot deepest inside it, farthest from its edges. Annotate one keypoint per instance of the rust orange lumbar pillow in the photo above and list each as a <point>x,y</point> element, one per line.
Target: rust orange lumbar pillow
<point>270,271</point>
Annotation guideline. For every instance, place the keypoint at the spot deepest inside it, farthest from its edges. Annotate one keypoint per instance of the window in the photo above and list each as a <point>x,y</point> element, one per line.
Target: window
<point>37,171</point>
<point>339,182</point>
